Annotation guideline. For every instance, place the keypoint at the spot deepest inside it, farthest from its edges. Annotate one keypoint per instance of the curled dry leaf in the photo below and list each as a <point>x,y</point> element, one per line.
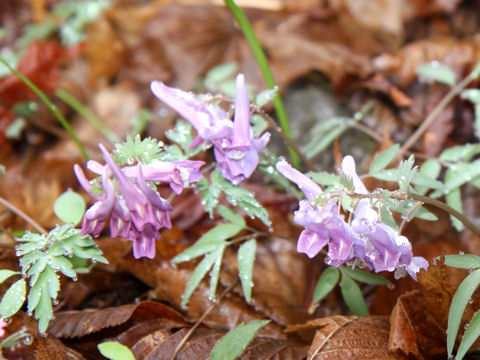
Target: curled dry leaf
<point>69,324</point>
<point>153,331</point>
<point>349,337</point>
<point>402,65</point>
<point>419,319</point>
<point>40,346</point>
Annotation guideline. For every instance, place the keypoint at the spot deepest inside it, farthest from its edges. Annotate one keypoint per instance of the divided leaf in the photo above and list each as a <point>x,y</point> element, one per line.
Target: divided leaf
<point>383,159</point>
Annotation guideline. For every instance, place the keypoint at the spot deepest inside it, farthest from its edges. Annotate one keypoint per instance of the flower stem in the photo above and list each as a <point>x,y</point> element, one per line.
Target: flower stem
<point>50,106</point>
<point>262,62</point>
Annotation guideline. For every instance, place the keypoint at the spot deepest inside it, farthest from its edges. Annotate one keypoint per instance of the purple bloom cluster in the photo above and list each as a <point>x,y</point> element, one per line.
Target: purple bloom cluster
<point>136,212</point>
<point>235,149</point>
<point>366,238</point>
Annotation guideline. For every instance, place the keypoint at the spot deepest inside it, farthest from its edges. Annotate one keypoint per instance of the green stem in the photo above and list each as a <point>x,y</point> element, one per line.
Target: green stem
<point>50,106</point>
<point>265,70</point>
<point>75,104</point>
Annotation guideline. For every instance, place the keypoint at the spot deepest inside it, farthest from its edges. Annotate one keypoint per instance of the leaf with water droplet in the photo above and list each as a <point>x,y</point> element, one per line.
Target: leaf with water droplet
<point>246,258</point>
<point>459,302</point>
<point>365,277</point>
<point>232,216</point>
<point>463,261</point>
<point>13,299</point>
<point>383,159</point>
<point>5,274</point>
<point>236,340</point>
<point>214,274</point>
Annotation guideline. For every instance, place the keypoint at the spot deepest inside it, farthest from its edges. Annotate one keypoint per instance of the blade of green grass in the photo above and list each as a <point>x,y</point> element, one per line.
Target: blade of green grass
<point>265,70</point>
<point>76,105</point>
<point>50,106</point>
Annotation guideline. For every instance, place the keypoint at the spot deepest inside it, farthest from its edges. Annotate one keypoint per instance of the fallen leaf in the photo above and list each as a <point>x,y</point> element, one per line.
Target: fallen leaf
<point>349,337</point>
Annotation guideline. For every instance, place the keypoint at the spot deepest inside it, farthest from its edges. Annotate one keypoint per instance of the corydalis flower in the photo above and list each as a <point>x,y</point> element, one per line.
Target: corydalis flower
<point>322,223</point>
<point>376,244</point>
<point>235,149</point>
<point>3,324</point>
<point>379,245</point>
<point>136,212</point>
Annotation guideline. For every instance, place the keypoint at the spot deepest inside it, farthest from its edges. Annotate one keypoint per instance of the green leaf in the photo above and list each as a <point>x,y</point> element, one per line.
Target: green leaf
<point>323,134</point>
<point>353,295</point>
<point>220,73</point>
<point>34,297</point>
<point>436,72</point>
<point>232,216</point>
<point>134,148</point>
<point>471,334</point>
<point>365,277</point>
<point>182,135</point>
<point>265,96</point>
<point>458,305</point>
<point>259,124</point>
<point>472,95</point>
<point>44,310</point>
<point>463,173</point>
<point>246,257</point>
<point>209,241</point>
<point>200,271</point>
<point>324,178</point>
<point>387,175</point>
<point>13,298</point>
<point>327,281</point>
<point>463,261</point>
<point>210,194</point>
<point>236,340</point>
<point>384,158</point>
<point>454,200</point>
<point>215,273</point>
<point>70,207</point>
<point>406,172</point>
<point>460,152</point>
<point>5,274</point>
<point>115,351</point>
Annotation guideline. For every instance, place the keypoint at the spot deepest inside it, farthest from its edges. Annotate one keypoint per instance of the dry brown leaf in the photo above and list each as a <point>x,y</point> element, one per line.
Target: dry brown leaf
<point>349,337</point>
<point>402,64</point>
<point>69,324</point>
<point>42,347</point>
<point>419,319</point>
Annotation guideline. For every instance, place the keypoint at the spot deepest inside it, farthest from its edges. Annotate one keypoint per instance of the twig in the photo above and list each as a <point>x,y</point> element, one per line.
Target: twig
<point>204,315</point>
<point>435,112</point>
<point>24,216</point>
<point>410,212</point>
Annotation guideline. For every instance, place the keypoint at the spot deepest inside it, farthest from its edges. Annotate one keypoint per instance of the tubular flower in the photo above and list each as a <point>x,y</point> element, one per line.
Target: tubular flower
<point>322,224</point>
<point>3,324</point>
<point>376,244</point>
<point>235,149</point>
<point>383,249</point>
<point>137,213</point>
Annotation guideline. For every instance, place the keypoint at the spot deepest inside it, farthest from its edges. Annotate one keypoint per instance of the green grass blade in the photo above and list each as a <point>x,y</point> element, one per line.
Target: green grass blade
<point>265,70</point>
<point>77,105</point>
<point>50,106</point>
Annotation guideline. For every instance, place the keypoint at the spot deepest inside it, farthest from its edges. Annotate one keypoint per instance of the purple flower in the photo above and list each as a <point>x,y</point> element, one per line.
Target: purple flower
<point>136,211</point>
<point>376,244</point>
<point>178,173</point>
<point>3,324</point>
<point>235,149</point>
<point>323,224</point>
<point>210,121</point>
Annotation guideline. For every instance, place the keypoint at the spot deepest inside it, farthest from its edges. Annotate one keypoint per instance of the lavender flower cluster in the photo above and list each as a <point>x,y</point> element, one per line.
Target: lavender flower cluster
<point>365,240</point>
<point>235,148</point>
<point>136,211</point>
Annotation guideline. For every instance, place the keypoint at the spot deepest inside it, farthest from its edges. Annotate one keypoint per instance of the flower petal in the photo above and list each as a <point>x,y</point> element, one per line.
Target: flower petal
<point>241,124</point>
<point>307,185</point>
